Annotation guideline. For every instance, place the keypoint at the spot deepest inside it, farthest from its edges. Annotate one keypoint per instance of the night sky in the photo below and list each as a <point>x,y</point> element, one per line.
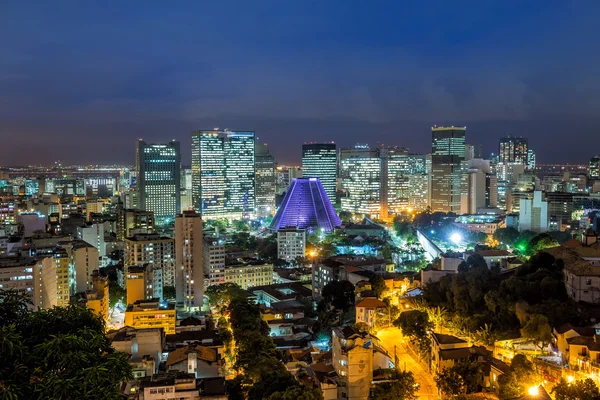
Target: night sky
<point>82,83</point>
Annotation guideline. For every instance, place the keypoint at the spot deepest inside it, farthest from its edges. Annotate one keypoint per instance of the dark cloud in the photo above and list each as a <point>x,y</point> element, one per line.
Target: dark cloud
<point>96,78</point>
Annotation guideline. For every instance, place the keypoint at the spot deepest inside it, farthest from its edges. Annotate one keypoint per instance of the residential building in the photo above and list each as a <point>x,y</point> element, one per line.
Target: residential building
<point>176,385</point>
<point>306,206</point>
<point>159,179</point>
<point>367,310</point>
<point>93,207</point>
<point>288,294</point>
<point>486,223</point>
<point>144,346</point>
<point>223,173</point>
<point>83,260</point>
<point>97,297</point>
<point>145,314</point>
<point>94,235</point>
<point>533,213</point>
<point>133,221</point>
<point>188,259</point>
<point>355,355</point>
<point>153,249</point>
<point>264,181</point>
<point>446,351</point>
<point>360,174</point>
<point>213,256</point>
<point>291,244</point>
<point>319,160</point>
<point>245,273</point>
<point>20,274</point>
<point>143,282</point>
<point>197,360</point>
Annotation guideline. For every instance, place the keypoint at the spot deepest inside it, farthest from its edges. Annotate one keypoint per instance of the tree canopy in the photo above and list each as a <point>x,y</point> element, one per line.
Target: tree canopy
<point>578,390</point>
<point>401,386</point>
<point>59,353</point>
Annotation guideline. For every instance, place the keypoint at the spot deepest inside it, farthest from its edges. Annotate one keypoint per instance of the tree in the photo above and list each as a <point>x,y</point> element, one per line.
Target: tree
<point>538,329</point>
<point>378,285</point>
<point>56,353</point>
<point>340,294</point>
<point>115,294</point>
<point>506,236</point>
<point>518,379</point>
<point>298,392</point>
<point>415,324</point>
<point>450,383</point>
<point>541,242</point>
<point>169,292</point>
<point>220,295</point>
<point>401,386</point>
<point>578,390</point>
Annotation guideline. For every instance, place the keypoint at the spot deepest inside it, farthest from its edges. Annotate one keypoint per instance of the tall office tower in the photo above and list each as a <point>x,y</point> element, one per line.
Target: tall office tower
<point>158,179</point>
<point>319,160</point>
<point>448,168</point>
<point>513,150</point>
<point>223,173</point>
<point>306,206</point>
<point>407,180</point>
<point>530,160</point>
<point>594,168</point>
<point>189,274</point>
<point>360,172</point>
<point>264,191</point>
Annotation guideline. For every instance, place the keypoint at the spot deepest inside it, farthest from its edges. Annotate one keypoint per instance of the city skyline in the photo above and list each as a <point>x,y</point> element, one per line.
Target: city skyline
<point>295,72</point>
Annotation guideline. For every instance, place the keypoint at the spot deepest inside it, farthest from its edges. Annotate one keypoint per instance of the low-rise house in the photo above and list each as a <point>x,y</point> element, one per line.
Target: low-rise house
<point>367,310</point>
<point>270,294</point>
<point>175,385</point>
<point>144,346</point>
<point>202,361</point>
<point>447,350</point>
<point>565,332</point>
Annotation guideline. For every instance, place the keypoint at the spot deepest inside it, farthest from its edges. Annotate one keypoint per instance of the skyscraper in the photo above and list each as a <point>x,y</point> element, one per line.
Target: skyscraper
<point>189,274</point>
<point>319,160</point>
<point>513,150</point>
<point>158,179</point>
<point>407,180</point>
<point>360,172</point>
<point>264,191</point>
<point>448,168</point>
<point>594,167</point>
<point>223,173</point>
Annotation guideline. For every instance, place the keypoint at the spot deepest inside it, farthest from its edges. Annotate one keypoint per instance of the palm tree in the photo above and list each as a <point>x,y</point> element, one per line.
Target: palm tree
<point>439,316</point>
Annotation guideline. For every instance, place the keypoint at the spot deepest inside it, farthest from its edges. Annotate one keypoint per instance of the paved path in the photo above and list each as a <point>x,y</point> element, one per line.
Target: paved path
<point>393,336</point>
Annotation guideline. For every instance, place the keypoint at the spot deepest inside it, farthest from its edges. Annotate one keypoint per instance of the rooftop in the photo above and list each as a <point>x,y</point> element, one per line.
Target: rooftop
<point>202,353</point>
<point>371,303</point>
<point>446,339</point>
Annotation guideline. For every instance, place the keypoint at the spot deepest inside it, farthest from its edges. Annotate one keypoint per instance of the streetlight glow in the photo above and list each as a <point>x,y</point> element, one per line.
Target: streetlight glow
<point>533,391</point>
<point>456,238</point>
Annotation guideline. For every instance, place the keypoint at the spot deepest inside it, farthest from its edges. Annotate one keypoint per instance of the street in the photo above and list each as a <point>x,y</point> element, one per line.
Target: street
<point>393,336</point>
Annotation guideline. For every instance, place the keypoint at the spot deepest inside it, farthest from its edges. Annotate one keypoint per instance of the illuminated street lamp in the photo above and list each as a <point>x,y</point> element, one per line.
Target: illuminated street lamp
<point>456,238</point>
<point>533,391</point>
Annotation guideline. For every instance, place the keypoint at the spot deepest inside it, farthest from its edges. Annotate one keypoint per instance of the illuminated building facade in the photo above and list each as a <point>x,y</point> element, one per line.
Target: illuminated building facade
<point>291,244</point>
<point>265,181</point>
<point>513,150</point>
<point>448,168</point>
<point>159,179</point>
<point>155,250</point>
<point>594,167</point>
<point>407,180</point>
<point>306,206</point>
<point>223,173</point>
<point>319,160</point>
<point>360,172</point>
<point>188,260</point>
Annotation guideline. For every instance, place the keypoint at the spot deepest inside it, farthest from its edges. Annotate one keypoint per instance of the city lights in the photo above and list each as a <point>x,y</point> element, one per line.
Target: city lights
<point>456,238</point>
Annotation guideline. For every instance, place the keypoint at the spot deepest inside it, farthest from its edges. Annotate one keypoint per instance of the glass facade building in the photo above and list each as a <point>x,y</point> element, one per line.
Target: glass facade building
<point>448,168</point>
<point>360,172</point>
<point>319,160</point>
<point>223,173</point>
<point>265,181</point>
<point>159,179</point>
<point>513,150</point>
